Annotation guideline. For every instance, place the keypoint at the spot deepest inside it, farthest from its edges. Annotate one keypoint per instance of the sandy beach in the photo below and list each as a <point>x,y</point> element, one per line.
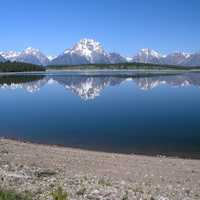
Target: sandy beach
<point>40,169</point>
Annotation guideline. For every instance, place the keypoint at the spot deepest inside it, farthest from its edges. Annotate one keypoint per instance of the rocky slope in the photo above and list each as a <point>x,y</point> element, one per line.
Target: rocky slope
<point>2,59</point>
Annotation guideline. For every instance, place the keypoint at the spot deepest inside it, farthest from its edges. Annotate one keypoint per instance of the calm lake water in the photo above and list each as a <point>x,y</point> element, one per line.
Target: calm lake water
<point>127,113</point>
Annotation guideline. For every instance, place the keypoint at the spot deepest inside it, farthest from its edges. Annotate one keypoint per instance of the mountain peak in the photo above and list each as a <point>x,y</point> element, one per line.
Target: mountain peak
<point>32,55</point>
<point>89,50</point>
<point>150,52</point>
<point>186,55</point>
<point>87,46</point>
<point>31,50</point>
<point>88,41</point>
<point>147,55</point>
<point>9,54</point>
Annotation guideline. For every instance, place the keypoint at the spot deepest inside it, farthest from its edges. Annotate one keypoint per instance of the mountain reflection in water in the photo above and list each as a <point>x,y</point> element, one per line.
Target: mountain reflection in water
<point>89,87</point>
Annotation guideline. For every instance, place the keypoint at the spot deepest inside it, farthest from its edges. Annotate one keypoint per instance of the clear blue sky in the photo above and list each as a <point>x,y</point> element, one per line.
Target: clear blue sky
<point>123,26</point>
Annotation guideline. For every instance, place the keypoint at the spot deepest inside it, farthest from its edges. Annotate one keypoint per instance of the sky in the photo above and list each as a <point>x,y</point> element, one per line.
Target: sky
<point>123,26</point>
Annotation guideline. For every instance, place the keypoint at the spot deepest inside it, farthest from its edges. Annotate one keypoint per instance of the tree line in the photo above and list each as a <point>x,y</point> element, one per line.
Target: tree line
<point>19,67</point>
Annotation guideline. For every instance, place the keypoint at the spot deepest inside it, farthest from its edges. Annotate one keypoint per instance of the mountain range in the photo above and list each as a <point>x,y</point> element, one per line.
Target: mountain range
<point>89,51</point>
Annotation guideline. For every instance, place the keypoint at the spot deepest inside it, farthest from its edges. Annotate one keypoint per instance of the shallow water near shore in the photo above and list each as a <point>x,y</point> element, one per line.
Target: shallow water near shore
<point>125,113</point>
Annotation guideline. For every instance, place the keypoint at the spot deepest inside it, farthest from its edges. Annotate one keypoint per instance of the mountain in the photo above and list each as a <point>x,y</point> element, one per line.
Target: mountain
<point>33,56</point>
<point>10,55</point>
<point>91,50</point>
<point>148,56</point>
<point>29,55</point>
<point>177,58</point>
<point>2,59</point>
<point>115,58</point>
<point>69,59</point>
<point>87,51</point>
<point>192,60</point>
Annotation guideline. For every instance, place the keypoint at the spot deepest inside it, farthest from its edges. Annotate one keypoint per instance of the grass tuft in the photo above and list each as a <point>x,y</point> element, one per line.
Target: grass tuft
<point>59,194</point>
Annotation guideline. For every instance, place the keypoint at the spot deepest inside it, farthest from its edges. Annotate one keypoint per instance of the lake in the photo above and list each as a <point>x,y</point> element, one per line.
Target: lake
<point>111,112</point>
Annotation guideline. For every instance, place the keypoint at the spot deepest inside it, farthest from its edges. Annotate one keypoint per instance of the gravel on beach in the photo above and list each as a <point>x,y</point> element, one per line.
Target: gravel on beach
<point>88,175</point>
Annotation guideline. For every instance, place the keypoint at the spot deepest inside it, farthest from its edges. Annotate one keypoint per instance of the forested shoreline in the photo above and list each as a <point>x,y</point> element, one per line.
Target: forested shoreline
<point>19,67</point>
<point>26,67</point>
<point>121,66</point>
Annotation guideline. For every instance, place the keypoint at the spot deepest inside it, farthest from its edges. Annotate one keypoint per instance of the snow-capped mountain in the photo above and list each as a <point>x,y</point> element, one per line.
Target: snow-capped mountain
<point>34,56</point>
<point>91,50</point>
<point>29,55</point>
<point>10,55</point>
<point>2,59</point>
<point>177,58</point>
<point>148,56</point>
<point>192,60</point>
<point>84,52</point>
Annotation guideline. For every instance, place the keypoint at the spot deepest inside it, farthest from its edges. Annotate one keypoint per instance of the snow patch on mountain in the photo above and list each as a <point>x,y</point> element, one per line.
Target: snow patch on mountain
<point>150,52</point>
<point>10,55</point>
<point>51,57</point>
<point>129,59</point>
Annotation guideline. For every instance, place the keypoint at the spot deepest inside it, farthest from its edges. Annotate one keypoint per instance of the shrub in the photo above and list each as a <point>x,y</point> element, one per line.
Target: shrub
<point>59,194</point>
<point>125,197</point>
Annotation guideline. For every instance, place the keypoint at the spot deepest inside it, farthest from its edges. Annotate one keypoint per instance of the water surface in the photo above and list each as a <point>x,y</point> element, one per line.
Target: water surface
<point>126,113</point>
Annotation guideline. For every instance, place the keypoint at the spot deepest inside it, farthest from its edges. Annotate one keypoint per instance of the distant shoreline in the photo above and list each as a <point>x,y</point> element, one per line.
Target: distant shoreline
<point>21,67</point>
<point>153,71</point>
